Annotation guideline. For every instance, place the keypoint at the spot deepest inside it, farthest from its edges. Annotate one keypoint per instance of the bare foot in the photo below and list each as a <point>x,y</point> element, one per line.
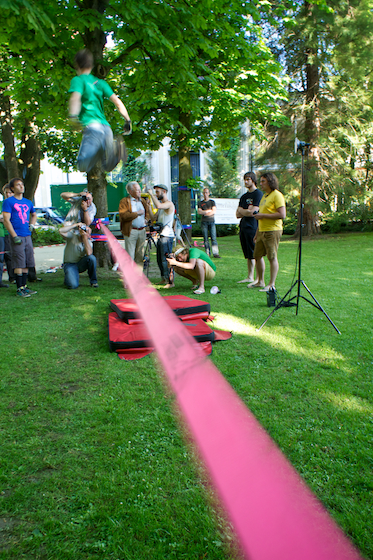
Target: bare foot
<point>246,281</point>
<point>255,285</point>
<point>169,286</point>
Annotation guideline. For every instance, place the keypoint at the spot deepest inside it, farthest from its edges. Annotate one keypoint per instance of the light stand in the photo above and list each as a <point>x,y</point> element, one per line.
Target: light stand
<point>299,282</point>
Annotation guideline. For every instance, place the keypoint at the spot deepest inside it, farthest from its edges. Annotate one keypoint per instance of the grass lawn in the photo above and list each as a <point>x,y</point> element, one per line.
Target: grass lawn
<point>93,463</point>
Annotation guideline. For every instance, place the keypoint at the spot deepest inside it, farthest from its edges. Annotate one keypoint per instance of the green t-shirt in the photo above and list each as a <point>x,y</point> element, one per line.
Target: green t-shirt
<point>93,92</point>
<point>2,227</point>
<point>195,253</point>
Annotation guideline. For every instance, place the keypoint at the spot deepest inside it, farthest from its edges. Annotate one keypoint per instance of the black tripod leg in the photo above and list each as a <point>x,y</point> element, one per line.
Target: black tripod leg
<point>147,258</point>
<point>277,306</point>
<point>319,306</point>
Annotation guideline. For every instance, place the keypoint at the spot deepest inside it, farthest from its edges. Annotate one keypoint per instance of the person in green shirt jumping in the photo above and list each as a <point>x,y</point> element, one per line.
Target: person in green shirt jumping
<point>86,106</point>
<point>195,265</point>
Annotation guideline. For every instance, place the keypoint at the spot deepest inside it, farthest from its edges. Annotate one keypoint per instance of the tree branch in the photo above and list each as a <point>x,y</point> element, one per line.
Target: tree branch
<point>123,55</point>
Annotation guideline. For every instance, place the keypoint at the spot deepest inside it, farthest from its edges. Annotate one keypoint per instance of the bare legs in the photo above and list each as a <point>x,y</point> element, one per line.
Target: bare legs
<point>200,273</point>
<point>273,267</point>
<point>260,269</point>
<point>250,270</point>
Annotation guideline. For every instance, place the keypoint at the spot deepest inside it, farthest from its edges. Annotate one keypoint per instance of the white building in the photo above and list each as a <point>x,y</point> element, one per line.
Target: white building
<point>163,168</point>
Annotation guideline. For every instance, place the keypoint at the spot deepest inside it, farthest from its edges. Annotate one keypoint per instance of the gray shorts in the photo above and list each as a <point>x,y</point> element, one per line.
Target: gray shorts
<point>22,255</point>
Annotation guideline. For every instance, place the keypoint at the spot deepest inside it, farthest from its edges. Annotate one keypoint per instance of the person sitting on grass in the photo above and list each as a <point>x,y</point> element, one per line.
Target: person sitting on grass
<point>78,255</point>
<point>195,265</point>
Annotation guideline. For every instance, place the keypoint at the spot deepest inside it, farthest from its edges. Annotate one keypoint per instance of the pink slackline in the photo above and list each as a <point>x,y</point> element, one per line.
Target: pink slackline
<point>275,515</point>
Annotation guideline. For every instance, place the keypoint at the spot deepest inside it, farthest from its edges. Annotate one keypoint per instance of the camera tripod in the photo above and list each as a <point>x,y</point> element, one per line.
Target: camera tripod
<point>299,282</point>
<point>148,248</point>
<point>182,231</point>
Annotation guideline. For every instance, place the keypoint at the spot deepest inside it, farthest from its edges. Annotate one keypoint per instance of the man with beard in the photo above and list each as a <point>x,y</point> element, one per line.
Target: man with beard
<point>165,216</point>
<point>249,203</point>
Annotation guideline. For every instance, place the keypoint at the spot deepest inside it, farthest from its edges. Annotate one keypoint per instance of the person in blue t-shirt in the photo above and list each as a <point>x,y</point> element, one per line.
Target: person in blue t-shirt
<point>19,219</point>
<point>86,106</point>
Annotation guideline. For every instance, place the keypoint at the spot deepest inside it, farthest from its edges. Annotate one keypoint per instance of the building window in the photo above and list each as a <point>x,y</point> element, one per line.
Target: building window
<point>194,162</point>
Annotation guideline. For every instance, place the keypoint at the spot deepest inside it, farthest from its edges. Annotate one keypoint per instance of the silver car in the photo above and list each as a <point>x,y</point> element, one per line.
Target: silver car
<point>114,224</point>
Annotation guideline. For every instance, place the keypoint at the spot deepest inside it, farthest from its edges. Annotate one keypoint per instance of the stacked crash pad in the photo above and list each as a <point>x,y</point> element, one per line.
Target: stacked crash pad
<point>130,339</point>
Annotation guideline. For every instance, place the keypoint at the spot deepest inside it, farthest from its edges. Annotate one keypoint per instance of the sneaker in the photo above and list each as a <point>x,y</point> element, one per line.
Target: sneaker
<point>2,285</point>
<point>21,293</point>
<point>94,285</point>
<point>28,291</point>
<point>217,256</point>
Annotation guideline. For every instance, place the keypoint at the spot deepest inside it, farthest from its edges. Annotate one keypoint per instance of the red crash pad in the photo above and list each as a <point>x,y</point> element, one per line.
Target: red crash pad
<point>127,310</point>
<point>123,336</point>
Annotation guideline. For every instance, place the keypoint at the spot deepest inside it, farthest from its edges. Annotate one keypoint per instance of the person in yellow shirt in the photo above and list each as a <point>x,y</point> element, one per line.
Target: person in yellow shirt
<point>271,212</point>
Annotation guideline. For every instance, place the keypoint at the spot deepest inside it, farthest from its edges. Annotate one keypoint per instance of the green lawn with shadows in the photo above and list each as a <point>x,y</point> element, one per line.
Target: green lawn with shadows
<point>93,462</point>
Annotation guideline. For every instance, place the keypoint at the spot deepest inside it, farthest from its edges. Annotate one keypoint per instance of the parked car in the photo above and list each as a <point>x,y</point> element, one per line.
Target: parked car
<point>114,224</point>
<point>48,217</point>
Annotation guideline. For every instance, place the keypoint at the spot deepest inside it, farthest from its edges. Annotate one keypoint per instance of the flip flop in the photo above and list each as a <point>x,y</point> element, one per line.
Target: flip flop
<point>267,289</point>
<point>199,292</point>
<point>255,286</point>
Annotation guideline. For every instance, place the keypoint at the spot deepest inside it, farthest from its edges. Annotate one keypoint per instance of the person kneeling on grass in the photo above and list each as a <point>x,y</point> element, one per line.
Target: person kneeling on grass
<point>78,255</point>
<point>195,265</point>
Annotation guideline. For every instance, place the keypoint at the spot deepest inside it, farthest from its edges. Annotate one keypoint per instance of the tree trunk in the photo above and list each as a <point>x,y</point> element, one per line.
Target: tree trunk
<point>30,159</point>
<point>95,40</point>
<point>312,132</point>
<point>7,137</point>
<point>27,166</point>
<point>97,186</point>
<point>185,173</point>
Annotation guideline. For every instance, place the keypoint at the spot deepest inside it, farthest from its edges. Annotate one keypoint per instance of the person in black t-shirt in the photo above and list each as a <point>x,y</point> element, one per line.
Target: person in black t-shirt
<point>249,203</point>
<point>207,209</point>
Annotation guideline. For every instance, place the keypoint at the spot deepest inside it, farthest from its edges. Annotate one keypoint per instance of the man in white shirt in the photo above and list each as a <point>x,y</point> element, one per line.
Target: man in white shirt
<point>165,216</point>
<point>133,213</point>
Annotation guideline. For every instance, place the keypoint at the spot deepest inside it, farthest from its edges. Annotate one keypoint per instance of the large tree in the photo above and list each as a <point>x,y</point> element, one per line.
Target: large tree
<point>325,48</point>
<point>35,46</point>
<point>184,69</point>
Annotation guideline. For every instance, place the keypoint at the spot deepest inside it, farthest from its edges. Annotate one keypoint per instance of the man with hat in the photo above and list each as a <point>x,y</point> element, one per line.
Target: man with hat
<point>165,216</point>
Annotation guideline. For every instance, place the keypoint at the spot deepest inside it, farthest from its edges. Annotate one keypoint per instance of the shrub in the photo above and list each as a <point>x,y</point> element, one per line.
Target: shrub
<point>42,236</point>
<point>222,230</point>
